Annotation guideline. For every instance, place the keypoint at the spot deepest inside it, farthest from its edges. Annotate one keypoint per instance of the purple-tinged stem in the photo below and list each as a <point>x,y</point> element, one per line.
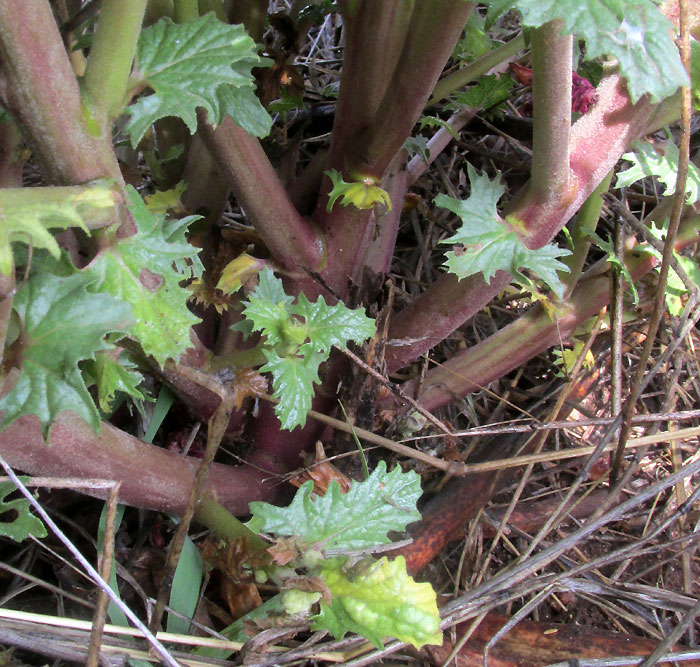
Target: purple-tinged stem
<point>42,94</point>
<point>381,251</point>
<point>550,180</point>
<point>527,336</point>
<point>436,313</point>
<point>598,139</point>
<point>291,239</point>
<point>434,30</point>
<point>150,477</point>
<point>374,38</point>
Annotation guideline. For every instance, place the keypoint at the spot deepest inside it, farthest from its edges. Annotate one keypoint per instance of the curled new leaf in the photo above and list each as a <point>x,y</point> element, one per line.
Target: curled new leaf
<point>363,194</point>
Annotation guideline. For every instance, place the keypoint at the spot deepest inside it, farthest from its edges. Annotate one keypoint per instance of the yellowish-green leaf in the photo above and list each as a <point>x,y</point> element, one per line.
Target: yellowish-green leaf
<point>164,201</point>
<point>26,215</point>
<point>377,600</point>
<point>238,271</point>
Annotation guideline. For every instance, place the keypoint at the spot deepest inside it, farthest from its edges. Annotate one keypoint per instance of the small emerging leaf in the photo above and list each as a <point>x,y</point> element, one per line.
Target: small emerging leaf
<point>383,601</point>
<point>17,522</point>
<point>298,339</point>
<point>363,194</point>
<point>111,376</point>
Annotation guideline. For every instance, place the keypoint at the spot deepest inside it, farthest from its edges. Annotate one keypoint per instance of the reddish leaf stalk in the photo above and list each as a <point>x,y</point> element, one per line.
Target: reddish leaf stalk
<point>598,139</point>
<point>375,33</point>
<point>526,337</point>
<point>293,241</point>
<point>42,94</point>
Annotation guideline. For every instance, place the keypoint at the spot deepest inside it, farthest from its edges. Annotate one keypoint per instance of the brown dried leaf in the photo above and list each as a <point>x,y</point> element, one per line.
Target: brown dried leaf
<point>322,473</point>
<point>284,550</point>
<point>247,382</point>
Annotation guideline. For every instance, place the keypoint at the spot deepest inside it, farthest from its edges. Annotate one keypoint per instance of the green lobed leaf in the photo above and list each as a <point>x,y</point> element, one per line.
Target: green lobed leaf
<point>360,518</point>
<point>26,216</point>
<point>186,65</point>
<point>112,376</point>
<point>633,31</point>
<point>489,91</point>
<point>145,270</point>
<point>293,379</point>
<point>660,160</point>
<point>381,601</point>
<point>269,307</point>
<point>417,145</point>
<point>298,339</point>
<point>490,244</point>
<point>62,324</point>
<point>327,326</point>
<point>17,522</point>
<point>435,122</point>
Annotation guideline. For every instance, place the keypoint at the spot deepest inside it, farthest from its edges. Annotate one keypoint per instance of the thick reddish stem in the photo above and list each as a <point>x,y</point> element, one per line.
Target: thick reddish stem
<point>150,477</point>
<point>434,30</point>
<point>526,337</point>
<point>293,241</point>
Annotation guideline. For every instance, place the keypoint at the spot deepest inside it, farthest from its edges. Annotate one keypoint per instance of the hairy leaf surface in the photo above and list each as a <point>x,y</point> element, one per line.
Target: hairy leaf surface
<point>360,518</point>
<point>382,601</point>
<point>298,339</point>
<point>489,243</point>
